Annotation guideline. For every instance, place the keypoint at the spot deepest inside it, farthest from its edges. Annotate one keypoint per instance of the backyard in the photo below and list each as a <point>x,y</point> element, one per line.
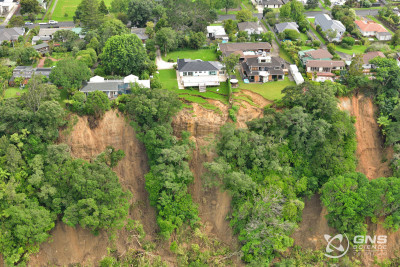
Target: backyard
<point>203,54</point>
<point>68,7</point>
<point>14,92</point>
<point>270,90</point>
<point>355,49</point>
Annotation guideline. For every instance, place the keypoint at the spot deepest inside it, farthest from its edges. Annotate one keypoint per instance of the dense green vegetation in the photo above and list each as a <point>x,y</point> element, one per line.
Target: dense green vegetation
<point>279,159</point>
<point>40,181</point>
<point>169,176</point>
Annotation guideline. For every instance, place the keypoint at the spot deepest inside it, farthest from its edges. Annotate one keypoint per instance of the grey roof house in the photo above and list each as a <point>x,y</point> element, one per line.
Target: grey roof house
<point>141,33</point>
<point>280,27</point>
<point>328,24</point>
<point>250,27</point>
<point>270,3</point>
<point>42,48</point>
<point>198,73</point>
<point>27,72</point>
<point>113,88</point>
<point>11,34</point>
<point>35,39</point>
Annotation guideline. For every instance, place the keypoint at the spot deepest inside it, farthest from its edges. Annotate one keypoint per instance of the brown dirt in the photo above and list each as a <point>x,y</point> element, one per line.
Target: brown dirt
<point>69,245</point>
<point>373,158</point>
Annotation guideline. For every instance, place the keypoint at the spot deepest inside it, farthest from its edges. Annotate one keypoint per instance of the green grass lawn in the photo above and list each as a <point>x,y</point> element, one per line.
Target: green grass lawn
<point>303,36</point>
<point>269,90</point>
<point>169,82</point>
<point>312,20</point>
<point>356,49</point>
<point>203,54</point>
<point>230,12</point>
<point>284,55</point>
<point>69,7</point>
<point>314,9</point>
<point>377,21</point>
<point>305,47</point>
<point>323,4</point>
<point>248,5</point>
<point>12,92</point>
<point>318,35</point>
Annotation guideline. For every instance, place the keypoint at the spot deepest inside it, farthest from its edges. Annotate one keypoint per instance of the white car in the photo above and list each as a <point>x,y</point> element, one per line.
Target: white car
<point>53,22</point>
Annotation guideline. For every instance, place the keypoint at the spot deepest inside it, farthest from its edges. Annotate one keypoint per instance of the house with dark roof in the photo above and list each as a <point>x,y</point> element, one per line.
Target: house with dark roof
<point>11,34</point>
<point>113,88</point>
<point>42,48</point>
<point>371,28</point>
<point>280,27</point>
<point>141,33</point>
<point>250,27</point>
<point>270,3</point>
<point>263,69</point>
<point>330,25</point>
<point>244,49</point>
<point>312,54</point>
<point>26,72</point>
<point>198,73</point>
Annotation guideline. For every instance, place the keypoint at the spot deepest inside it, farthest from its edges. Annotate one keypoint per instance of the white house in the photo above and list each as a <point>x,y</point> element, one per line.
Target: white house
<point>113,88</point>
<point>250,27</point>
<point>270,3</point>
<point>371,28</point>
<point>327,24</point>
<point>216,32</point>
<point>198,73</point>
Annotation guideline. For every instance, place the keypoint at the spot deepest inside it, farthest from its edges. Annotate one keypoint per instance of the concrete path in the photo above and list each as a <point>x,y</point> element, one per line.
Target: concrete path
<point>10,15</point>
<point>161,64</point>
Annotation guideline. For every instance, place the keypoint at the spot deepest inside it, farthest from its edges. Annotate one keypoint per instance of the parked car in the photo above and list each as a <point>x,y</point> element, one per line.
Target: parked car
<point>28,23</point>
<point>53,22</point>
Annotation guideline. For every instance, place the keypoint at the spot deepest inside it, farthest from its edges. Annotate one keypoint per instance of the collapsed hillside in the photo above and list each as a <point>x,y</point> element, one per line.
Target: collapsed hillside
<point>76,245</point>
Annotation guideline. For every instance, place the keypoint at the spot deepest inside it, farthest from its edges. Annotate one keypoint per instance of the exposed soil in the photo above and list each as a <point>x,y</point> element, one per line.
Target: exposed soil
<point>69,245</point>
<point>373,158</point>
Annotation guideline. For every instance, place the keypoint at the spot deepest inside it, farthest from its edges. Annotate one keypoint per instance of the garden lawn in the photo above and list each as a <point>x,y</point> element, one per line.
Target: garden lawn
<point>303,36</point>
<point>270,90</point>
<point>317,34</point>
<point>169,82</point>
<point>68,7</point>
<point>203,54</point>
<point>356,49</point>
<point>13,92</point>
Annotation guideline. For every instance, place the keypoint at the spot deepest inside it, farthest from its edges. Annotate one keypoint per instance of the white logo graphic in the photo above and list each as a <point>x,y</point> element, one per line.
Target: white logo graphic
<point>331,248</point>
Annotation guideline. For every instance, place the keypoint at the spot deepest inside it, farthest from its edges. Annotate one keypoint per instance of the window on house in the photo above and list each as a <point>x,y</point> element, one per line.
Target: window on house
<point>190,74</point>
<point>326,69</point>
<point>185,74</point>
<point>314,68</point>
<point>213,72</point>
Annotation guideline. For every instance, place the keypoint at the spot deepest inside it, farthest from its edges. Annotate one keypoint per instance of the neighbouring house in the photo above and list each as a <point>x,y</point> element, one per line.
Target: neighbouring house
<point>371,28</point>
<point>198,73</point>
<point>280,27</point>
<point>327,24</point>
<point>314,54</point>
<point>297,77</point>
<point>217,32</point>
<point>270,3</point>
<point>113,88</point>
<point>367,57</point>
<point>35,39</point>
<point>250,27</point>
<point>263,69</point>
<point>338,2</point>
<point>42,48</point>
<point>244,49</point>
<point>11,34</point>
<point>141,33</point>
<point>321,70</point>
<point>49,32</point>
<point>26,72</point>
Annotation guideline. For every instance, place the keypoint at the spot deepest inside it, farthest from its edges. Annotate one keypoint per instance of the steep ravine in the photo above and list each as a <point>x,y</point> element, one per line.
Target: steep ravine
<point>69,245</point>
<point>373,161</point>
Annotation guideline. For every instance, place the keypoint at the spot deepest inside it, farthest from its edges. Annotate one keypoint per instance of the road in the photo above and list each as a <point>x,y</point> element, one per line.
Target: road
<point>64,24</point>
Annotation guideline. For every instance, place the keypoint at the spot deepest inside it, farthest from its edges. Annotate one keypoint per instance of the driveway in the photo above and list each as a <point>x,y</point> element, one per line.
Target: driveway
<point>161,64</point>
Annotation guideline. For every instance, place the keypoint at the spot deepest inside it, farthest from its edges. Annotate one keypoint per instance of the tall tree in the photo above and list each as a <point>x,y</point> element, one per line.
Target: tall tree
<point>166,39</point>
<point>88,13</point>
<point>110,28</point>
<point>103,8</point>
<point>226,4</point>
<point>69,74</point>
<point>30,6</point>
<point>141,11</point>
<point>119,6</point>
<point>124,55</point>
